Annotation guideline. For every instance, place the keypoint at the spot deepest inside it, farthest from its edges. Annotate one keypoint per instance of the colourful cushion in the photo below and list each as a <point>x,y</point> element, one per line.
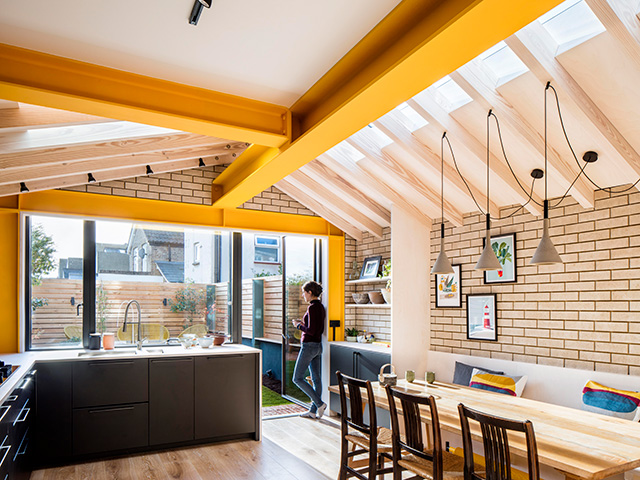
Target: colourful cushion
<point>462,373</point>
<point>498,383</point>
<point>610,401</point>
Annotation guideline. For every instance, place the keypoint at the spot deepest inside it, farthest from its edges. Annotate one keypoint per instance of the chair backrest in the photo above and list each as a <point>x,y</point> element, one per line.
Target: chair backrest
<point>413,440</point>
<point>73,331</point>
<point>199,330</point>
<point>354,416</point>
<point>496,445</point>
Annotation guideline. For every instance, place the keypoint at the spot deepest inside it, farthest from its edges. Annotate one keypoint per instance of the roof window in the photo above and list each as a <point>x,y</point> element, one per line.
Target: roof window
<point>411,119</point>
<point>502,63</point>
<point>449,94</point>
<point>571,23</point>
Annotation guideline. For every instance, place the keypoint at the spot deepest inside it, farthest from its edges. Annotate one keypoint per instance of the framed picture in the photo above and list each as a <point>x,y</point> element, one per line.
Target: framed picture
<point>370,267</point>
<point>448,288</point>
<point>504,246</point>
<point>481,317</point>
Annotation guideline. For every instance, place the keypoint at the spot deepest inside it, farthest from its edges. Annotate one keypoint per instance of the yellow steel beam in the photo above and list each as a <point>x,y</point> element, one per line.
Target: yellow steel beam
<point>41,79</point>
<point>335,303</point>
<point>418,43</point>
<point>9,273</point>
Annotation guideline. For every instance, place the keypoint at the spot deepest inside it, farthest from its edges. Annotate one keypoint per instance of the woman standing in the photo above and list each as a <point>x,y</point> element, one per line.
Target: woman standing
<point>310,356</point>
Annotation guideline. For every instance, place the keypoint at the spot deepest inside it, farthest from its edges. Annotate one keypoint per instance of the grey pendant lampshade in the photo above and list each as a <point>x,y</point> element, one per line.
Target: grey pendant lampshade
<point>546,252</point>
<point>488,259</point>
<point>442,265</point>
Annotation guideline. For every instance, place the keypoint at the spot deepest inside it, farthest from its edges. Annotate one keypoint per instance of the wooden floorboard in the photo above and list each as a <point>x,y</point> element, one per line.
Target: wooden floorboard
<point>292,449</point>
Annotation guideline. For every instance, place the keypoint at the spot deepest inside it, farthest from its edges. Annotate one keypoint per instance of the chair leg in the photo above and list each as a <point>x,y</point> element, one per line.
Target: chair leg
<point>344,459</point>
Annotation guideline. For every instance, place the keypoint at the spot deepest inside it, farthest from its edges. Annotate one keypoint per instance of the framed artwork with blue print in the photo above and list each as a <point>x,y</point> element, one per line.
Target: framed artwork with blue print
<point>504,246</point>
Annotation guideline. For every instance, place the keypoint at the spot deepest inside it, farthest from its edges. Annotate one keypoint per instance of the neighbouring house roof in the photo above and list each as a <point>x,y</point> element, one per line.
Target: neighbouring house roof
<point>161,237</point>
<point>173,272</point>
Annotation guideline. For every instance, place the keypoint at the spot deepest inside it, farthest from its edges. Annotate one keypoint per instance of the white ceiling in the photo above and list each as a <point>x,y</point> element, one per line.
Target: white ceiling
<point>269,50</point>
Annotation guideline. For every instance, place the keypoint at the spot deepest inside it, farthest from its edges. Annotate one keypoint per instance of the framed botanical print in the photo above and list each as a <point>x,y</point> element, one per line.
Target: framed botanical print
<point>448,286</point>
<point>504,246</point>
<point>370,267</point>
<point>482,322</point>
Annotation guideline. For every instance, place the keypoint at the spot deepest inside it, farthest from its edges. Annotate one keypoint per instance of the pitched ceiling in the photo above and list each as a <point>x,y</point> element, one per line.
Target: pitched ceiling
<point>589,50</point>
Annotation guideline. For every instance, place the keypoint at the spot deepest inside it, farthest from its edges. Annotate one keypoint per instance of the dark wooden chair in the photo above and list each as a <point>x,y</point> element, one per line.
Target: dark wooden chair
<point>364,436</point>
<point>411,451</point>
<point>496,445</point>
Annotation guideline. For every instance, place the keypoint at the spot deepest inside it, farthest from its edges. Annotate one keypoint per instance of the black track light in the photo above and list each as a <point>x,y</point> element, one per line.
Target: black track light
<point>23,187</point>
<point>201,163</point>
<point>149,171</point>
<point>195,13</point>
<point>90,178</point>
<point>206,3</point>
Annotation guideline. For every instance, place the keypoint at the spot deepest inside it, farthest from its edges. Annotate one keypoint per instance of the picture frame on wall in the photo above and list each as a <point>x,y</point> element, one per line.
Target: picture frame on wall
<point>482,322</point>
<point>449,289</point>
<point>370,267</point>
<point>504,246</point>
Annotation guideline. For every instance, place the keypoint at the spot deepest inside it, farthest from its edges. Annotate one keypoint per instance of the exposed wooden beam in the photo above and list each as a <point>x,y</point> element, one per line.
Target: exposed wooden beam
<point>342,188</point>
<point>81,179</point>
<point>6,104</point>
<point>343,209</point>
<point>390,172</point>
<point>475,83</point>
<point>75,153</point>
<point>416,44</point>
<point>426,163</point>
<point>621,21</point>
<point>41,79</point>
<point>312,203</point>
<point>33,116</point>
<point>534,46</point>
<point>430,110</point>
<point>210,155</point>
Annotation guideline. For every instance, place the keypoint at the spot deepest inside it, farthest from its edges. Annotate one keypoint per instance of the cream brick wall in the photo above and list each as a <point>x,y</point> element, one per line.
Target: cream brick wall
<point>374,320</point>
<point>191,186</point>
<point>583,314</point>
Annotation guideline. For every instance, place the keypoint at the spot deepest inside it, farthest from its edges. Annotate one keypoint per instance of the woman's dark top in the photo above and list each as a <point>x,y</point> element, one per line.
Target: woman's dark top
<point>312,325</point>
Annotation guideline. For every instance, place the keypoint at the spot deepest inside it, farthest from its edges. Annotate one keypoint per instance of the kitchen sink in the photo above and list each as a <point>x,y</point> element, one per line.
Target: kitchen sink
<point>150,351</point>
<point>107,353</point>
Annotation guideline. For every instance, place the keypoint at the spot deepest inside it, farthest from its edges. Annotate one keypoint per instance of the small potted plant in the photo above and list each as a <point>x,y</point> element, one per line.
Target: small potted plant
<point>352,334</point>
<point>386,272</point>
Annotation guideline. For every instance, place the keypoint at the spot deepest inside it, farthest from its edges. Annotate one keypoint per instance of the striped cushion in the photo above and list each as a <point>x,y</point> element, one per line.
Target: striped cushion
<point>498,383</point>
<point>610,401</point>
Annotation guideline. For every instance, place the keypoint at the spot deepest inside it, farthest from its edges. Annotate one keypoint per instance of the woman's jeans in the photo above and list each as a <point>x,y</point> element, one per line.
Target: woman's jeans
<point>310,356</point>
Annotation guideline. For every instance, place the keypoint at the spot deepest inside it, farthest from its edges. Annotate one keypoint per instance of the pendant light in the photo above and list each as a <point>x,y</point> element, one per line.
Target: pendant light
<point>546,253</point>
<point>442,265</point>
<point>488,260</point>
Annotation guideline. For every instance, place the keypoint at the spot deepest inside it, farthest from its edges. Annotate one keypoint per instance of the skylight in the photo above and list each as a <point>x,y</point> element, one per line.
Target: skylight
<point>503,63</point>
<point>343,152</point>
<point>377,136</point>
<point>571,23</point>
<point>450,94</point>
<point>411,119</point>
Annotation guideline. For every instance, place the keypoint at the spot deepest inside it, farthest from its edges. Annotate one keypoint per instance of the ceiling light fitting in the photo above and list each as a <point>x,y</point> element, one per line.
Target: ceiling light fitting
<point>23,187</point>
<point>198,5</point>
<point>149,171</point>
<point>90,178</point>
<point>488,260</point>
<point>442,264</point>
<point>201,163</point>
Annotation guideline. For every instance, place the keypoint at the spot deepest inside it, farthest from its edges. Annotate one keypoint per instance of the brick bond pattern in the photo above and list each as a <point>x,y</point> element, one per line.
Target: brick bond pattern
<point>582,314</point>
<point>372,319</point>
<point>191,186</point>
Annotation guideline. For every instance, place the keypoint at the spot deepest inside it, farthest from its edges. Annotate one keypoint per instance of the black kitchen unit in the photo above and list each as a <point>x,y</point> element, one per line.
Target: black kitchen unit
<point>99,407</point>
<point>360,363</point>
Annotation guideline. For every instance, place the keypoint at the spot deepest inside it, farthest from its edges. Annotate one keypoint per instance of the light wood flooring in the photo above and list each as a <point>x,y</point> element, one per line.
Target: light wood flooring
<point>292,448</point>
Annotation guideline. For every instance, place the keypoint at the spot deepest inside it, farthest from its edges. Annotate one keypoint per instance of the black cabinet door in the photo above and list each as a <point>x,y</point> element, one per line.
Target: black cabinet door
<point>369,363</point>
<point>110,382</point>
<point>53,412</point>
<point>106,429</point>
<point>341,359</point>
<point>225,400</point>
<point>171,395</point>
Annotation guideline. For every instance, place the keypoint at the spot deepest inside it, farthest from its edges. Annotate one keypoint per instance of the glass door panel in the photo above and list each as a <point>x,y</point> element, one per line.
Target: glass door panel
<point>299,267</point>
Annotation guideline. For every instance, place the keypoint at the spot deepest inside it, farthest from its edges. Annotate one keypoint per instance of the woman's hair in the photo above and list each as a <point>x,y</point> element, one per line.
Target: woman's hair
<point>313,287</point>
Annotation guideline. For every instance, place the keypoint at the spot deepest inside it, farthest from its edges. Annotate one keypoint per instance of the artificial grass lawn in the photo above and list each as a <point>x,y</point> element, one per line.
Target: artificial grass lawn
<point>271,398</point>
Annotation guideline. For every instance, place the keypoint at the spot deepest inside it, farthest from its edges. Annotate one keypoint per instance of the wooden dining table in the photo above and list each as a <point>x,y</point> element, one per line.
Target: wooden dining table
<point>579,444</point>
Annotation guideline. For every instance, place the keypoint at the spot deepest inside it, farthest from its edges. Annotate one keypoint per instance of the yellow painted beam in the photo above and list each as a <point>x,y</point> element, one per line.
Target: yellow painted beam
<point>418,43</point>
<point>9,274</point>
<point>41,79</point>
<point>335,303</point>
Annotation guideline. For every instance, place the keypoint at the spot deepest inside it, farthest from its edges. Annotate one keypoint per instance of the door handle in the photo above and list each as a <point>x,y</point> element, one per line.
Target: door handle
<point>107,410</point>
<point>26,414</point>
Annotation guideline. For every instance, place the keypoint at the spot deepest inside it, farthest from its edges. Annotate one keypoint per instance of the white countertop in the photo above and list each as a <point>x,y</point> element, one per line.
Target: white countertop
<point>371,347</point>
<point>28,359</point>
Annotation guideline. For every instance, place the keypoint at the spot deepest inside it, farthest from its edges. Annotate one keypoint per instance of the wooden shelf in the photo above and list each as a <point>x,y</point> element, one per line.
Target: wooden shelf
<point>368,305</point>
<point>367,280</point>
